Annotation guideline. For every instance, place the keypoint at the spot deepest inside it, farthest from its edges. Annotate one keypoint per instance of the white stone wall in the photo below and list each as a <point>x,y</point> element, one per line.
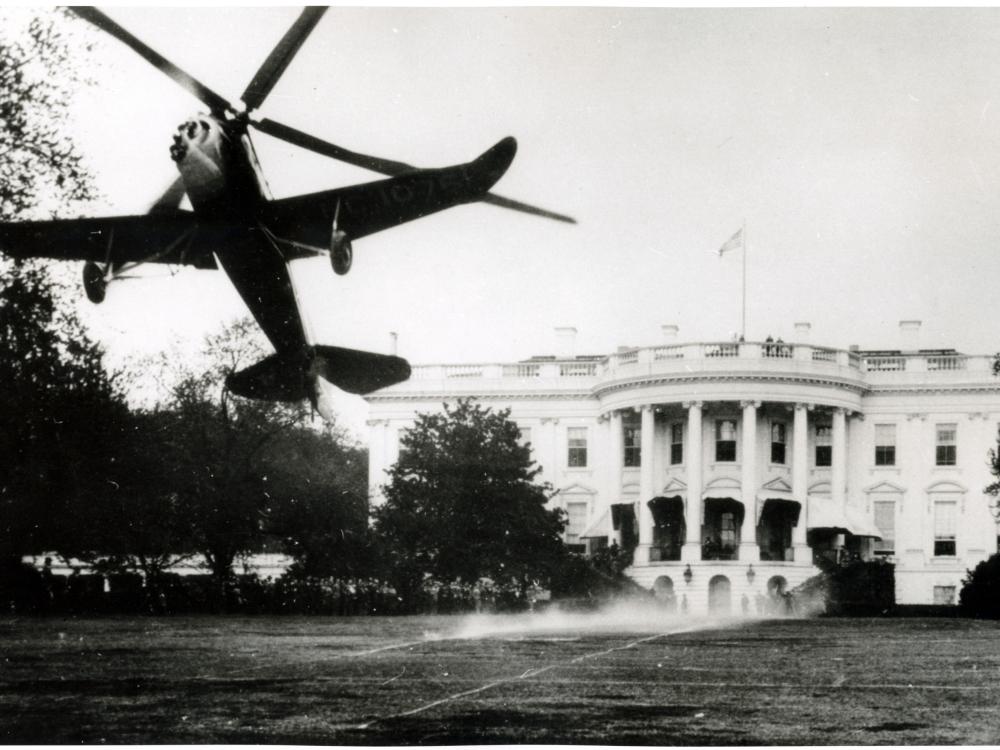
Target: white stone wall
<point>914,393</point>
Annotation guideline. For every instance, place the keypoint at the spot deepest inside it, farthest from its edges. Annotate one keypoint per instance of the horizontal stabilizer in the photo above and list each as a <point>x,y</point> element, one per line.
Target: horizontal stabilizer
<point>291,376</point>
<point>280,377</point>
<point>359,372</point>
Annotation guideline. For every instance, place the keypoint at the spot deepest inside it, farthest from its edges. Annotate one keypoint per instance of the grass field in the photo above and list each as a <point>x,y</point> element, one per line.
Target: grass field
<point>632,679</point>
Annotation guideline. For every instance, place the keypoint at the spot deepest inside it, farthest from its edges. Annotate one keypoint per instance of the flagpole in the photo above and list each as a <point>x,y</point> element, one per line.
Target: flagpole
<point>744,331</point>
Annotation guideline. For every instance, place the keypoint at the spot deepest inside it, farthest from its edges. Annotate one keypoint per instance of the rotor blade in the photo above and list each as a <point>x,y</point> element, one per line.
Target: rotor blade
<point>383,166</point>
<point>281,56</point>
<point>498,200</point>
<point>189,82</point>
<point>312,143</point>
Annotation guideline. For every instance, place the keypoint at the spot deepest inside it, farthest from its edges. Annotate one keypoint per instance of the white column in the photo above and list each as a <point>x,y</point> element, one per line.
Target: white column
<point>615,449</point>
<point>644,515</point>
<point>548,456</point>
<point>691,550</point>
<point>838,472</point>
<point>800,481</point>
<point>376,459</point>
<point>749,551</point>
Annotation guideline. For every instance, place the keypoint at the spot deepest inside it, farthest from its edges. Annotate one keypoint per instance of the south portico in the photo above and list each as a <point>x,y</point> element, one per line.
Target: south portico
<point>723,483</point>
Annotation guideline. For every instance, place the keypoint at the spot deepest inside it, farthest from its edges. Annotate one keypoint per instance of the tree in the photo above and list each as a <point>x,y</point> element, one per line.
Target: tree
<point>249,473</point>
<point>63,419</point>
<point>462,504</point>
<point>980,595</point>
<point>319,506</point>
<point>214,444</point>
<point>56,394</point>
<point>40,167</point>
<point>139,523</point>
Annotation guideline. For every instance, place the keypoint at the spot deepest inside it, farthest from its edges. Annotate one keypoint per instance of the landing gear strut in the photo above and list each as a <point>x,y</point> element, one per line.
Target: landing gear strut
<point>94,282</point>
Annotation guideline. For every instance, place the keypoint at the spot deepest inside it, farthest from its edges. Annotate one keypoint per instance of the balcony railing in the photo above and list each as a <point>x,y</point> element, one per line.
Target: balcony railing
<point>664,553</point>
<point>882,367</point>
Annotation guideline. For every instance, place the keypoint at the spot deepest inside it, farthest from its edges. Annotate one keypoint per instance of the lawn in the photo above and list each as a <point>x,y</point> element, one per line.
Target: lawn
<point>634,678</point>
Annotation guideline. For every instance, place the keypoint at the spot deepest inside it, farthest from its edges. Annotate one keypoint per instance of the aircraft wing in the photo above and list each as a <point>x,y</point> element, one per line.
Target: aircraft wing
<point>174,237</point>
<point>364,209</point>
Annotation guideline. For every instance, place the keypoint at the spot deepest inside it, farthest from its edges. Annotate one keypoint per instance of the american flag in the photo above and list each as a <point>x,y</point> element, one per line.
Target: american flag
<point>733,243</point>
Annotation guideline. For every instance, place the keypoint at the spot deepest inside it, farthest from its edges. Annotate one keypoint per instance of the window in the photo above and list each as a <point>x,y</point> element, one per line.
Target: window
<point>727,531</point>
<point>944,529</point>
<point>576,522</point>
<point>885,445</point>
<point>576,438</point>
<point>677,443</point>
<point>944,595</point>
<point>885,522</point>
<point>725,440</point>
<point>824,447</point>
<point>947,450</point>
<point>633,450</point>
<point>777,442</point>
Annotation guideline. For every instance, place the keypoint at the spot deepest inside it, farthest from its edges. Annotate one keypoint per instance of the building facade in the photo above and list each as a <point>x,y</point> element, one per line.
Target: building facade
<point>731,467</point>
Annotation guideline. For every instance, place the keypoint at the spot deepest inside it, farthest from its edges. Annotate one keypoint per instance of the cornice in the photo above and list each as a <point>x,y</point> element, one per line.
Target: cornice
<point>892,390</point>
<point>684,378</point>
<point>482,396</point>
<point>602,389</point>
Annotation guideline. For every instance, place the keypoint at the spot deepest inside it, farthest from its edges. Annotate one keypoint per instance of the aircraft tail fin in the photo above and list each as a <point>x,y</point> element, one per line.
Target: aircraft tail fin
<point>291,376</point>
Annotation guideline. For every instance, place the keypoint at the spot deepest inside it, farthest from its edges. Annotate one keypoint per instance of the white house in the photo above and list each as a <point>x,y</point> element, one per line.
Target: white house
<point>734,465</point>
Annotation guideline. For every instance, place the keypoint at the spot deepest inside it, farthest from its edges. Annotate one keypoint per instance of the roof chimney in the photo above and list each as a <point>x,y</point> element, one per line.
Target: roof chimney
<point>565,342</point>
<point>669,333</point>
<point>802,333</point>
<point>909,334</point>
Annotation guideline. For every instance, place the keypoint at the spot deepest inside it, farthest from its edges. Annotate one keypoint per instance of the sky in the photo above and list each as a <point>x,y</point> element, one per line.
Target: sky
<point>859,147</point>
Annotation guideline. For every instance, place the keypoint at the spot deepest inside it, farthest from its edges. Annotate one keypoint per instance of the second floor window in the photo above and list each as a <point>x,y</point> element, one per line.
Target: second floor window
<point>576,438</point>
<point>824,445</point>
<point>777,442</point>
<point>946,453</point>
<point>633,451</point>
<point>725,440</point>
<point>885,445</point>
<point>677,443</point>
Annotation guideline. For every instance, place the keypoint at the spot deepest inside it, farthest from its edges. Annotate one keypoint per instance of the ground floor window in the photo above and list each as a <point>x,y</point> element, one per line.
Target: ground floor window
<point>576,522</point>
<point>721,532</point>
<point>944,529</point>
<point>885,522</point>
<point>944,595</point>
<point>774,533</point>
<point>668,528</point>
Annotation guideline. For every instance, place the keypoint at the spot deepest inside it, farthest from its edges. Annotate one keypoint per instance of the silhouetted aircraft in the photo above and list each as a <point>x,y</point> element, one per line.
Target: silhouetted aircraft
<point>237,226</point>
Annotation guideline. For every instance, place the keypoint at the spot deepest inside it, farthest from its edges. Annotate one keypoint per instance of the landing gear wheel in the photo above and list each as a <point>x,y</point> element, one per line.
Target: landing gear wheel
<point>342,254</point>
<point>94,283</point>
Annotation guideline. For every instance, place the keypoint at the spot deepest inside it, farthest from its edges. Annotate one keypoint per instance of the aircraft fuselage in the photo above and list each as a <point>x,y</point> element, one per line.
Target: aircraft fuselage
<point>224,183</point>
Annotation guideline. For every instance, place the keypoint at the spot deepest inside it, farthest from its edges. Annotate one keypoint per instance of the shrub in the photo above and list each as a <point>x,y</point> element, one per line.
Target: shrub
<point>980,596</point>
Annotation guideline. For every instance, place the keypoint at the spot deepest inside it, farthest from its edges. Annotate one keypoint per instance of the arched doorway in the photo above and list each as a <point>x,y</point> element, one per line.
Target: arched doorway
<point>778,599</point>
<point>719,596</point>
<point>663,592</point>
